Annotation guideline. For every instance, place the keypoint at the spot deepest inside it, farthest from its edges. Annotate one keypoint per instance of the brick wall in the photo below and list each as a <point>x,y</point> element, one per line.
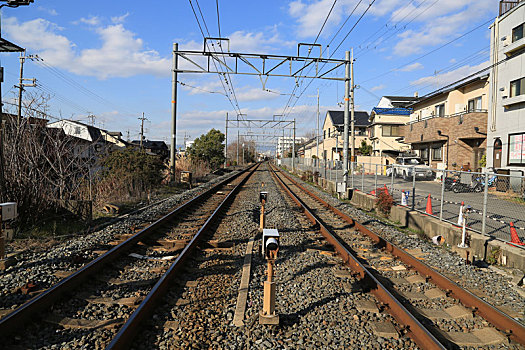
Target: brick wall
<point>463,139</point>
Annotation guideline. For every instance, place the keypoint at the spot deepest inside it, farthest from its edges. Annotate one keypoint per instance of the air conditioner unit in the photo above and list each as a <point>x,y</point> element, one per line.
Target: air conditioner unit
<point>505,40</point>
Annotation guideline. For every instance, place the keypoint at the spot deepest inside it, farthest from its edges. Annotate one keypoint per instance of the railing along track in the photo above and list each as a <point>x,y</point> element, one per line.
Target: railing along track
<point>500,320</point>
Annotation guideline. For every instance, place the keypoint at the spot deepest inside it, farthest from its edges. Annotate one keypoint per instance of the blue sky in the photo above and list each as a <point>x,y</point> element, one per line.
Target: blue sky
<point>113,58</point>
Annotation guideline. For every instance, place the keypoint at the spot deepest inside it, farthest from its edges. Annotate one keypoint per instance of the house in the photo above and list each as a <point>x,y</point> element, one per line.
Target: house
<point>385,124</point>
<point>159,148</point>
<point>309,148</point>
<point>447,128</point>
<point>506,115</point>
<point>333,139</point>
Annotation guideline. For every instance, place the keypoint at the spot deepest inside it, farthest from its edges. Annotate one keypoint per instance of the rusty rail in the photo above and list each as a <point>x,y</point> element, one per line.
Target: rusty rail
<point>503,322</point>
<point>415,330</point>
<point>26,312</point>
<point>129,330</point>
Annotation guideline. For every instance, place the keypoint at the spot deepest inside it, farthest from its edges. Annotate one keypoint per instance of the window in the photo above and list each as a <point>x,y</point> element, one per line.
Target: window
<point>440,110</point>
<point>517,33</point>
<point>474,104</point>
<point>436,152</point>
<point>324,134</point>
<point>424,153</point>
<point>390,130</point>
<point>329,133</point>
<point>77,130</point>
<point>517,149</point>
<point>517,87</point>
<point>373,131</point>
<point>411,127</point>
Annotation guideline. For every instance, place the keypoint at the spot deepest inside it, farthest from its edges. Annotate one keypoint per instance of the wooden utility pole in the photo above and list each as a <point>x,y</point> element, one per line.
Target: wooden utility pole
<point>142,128</point>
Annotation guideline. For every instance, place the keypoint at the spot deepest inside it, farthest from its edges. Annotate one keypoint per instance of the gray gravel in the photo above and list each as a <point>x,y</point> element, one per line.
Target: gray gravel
<point>40,267</point>
<point>492,286</point>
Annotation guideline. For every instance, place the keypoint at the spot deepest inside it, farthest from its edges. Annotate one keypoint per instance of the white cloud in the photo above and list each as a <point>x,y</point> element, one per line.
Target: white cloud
<point>258,41</point>
<point>310,17</point>
<point>121,54</point>
<point>49,11</point>
<point>378,87</point>
<point>441,23</point>
<point>450,77</point>
<point>411,67</point>
<point>120,19</point>
<point>91,20</point>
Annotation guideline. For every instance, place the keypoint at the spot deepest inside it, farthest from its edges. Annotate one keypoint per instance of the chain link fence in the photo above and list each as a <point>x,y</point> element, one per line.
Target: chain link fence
<point>495,202</point>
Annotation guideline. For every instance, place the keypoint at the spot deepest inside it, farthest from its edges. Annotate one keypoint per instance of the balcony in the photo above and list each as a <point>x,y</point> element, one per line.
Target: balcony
<point>507,5</point>
<point>457,126</point>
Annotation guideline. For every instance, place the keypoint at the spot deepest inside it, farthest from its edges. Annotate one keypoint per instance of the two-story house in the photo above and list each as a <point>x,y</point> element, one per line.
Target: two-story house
<point>385,125</point>
<point>333,139</point>
<point>447,128</point>
<point>506,120</point>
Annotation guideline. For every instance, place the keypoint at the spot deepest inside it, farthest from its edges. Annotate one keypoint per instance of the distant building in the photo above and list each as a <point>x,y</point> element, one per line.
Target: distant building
<point>385,125</point>
<point>159,148</point>
<point>92,141</point>
<point>506,116</point>
<point>284,145</point>
<point>333,140</point>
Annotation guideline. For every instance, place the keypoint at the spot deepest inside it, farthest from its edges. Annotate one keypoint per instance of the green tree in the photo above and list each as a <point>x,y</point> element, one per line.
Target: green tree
<point>132,171</point>
<point>208,148</point>
<point>365,149</point>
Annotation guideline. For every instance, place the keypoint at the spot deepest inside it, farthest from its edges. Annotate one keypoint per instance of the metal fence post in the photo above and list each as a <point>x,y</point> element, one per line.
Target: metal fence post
<point>484,211</point>
<point>363,177</point>
<point>443,177</point>
<point>392,181</point>
<point>353,168</point>
<point>375,181</point>
<point>413,188</point>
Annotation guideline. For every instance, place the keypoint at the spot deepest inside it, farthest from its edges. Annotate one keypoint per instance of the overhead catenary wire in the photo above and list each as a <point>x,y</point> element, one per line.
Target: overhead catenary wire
<point>333,52</point>
<point>230,84</point>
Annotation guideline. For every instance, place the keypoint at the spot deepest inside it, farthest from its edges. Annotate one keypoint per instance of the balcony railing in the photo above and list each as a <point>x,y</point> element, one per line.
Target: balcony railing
<point>459,114</point>
<point>507,5</point>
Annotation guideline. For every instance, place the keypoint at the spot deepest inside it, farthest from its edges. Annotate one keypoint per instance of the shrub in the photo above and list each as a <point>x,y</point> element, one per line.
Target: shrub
<point>384,201</point>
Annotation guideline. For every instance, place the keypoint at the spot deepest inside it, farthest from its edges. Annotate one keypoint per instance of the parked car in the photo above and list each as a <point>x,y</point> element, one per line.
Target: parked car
<point>406,166</point>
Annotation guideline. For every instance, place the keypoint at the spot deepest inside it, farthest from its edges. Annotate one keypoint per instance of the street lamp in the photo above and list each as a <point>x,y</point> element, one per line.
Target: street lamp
<point>448,139</point>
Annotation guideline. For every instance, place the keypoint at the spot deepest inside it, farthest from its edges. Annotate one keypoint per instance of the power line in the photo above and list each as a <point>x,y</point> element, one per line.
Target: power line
<point>431,51</point>
<point>220,79</point>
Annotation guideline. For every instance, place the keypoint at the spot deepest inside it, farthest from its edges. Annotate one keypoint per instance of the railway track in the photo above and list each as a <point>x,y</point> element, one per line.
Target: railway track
<point>108,298</point>
<point>434,311</point>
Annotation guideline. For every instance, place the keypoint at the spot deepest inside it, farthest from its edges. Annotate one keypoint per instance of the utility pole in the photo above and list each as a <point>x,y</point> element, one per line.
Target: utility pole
<point>174,109</point>
<point>226,142</point>
<point>317,135</point>
<point>127,135</point>
<point>142,128</point>
<point>21,85</point>
<point>352,90</point>
<point>346,118</point>
<point>92,118</point>
<point>293,146</point>
<point>238,140</point>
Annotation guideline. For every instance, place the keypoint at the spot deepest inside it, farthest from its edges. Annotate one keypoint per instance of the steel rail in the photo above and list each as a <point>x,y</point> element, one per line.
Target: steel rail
<point>26,312</point>
<point>129,330</point>
<point>415,330</point>
<point>503,322</point>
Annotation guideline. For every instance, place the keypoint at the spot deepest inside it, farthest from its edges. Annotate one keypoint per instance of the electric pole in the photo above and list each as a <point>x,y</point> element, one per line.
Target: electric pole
<point>21,85</point>
<point>174,109</point>
<point>317,135</point>
<point>142,128</point>
<point>226,142</point>
<point>238,140</point>
<point>352,89</point>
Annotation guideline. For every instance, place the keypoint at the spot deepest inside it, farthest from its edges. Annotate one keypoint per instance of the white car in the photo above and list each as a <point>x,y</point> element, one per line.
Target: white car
<point>406,165</point>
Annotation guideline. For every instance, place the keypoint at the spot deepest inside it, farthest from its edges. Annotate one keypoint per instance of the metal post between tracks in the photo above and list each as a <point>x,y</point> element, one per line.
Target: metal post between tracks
<point>413,188</point>
<point>173,146</point>
<point>126,334</point>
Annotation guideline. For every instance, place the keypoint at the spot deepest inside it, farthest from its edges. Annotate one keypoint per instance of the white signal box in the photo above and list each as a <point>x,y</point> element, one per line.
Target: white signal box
<point>9,211</point>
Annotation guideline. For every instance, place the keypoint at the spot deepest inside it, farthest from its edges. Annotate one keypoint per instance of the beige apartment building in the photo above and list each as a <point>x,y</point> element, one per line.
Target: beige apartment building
<point>333,126</point>
<point>447,128</point>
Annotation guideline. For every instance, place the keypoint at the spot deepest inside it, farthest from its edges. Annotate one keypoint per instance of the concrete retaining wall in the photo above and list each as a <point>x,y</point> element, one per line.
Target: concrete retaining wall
<point>480,246</point>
